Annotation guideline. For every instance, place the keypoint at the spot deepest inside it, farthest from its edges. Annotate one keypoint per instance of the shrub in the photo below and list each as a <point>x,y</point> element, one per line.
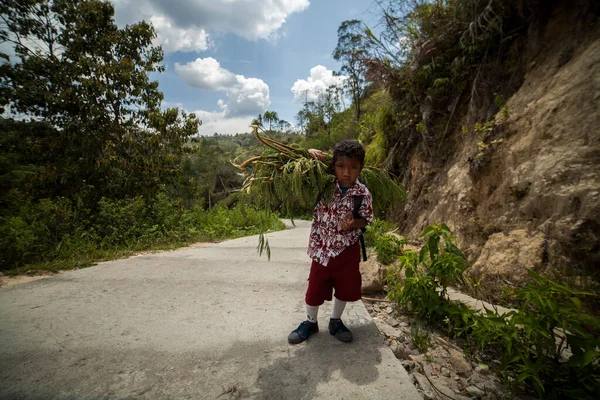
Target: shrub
<point>536,336</point>
<point>428,273</point>
<point>36,231</point>
<point>123,222</point>
<point>17,241</point>
<point>55,234</point>
<point>548,344</point>
<point>388,247</point>
<point>376,229</point>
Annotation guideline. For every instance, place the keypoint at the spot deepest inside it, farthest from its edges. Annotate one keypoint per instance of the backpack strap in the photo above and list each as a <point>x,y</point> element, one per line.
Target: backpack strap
<point>319,197</point>
<point>357,203</point>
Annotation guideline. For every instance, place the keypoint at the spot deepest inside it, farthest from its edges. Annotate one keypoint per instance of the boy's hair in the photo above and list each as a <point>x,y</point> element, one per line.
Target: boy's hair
<point>349,148</point>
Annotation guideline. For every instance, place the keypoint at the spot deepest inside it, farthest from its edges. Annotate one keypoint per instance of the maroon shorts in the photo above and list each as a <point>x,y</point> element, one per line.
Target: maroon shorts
<point>342,274</point>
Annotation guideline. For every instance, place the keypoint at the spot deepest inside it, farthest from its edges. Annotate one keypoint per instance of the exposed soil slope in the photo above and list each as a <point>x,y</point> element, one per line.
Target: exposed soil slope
<point>527,194</point>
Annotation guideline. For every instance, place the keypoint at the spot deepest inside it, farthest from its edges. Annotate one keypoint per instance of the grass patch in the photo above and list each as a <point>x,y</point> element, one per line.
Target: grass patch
<point>55,235</point>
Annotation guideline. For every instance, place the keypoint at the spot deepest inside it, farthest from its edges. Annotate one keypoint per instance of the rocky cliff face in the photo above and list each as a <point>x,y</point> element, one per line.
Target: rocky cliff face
<point>523,191</point>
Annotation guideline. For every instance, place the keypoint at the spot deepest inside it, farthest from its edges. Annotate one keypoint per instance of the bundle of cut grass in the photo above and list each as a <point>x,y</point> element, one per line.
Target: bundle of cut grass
<point>287,176</point>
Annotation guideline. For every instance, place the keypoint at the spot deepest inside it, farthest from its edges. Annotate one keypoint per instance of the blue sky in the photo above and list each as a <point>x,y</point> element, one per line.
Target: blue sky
<point>229,60</point>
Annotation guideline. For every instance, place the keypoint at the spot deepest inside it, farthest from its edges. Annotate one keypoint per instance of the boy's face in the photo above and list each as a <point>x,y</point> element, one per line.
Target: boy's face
<point>346,170</point>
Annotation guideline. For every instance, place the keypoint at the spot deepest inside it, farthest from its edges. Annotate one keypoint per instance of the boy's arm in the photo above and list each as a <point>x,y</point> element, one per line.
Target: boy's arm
<point>354,223</point>
<point>318,154</point>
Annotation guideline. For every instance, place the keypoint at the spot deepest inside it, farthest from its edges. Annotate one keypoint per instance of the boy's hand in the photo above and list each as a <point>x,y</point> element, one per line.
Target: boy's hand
<point>348,223</point>
<point>318,154</point>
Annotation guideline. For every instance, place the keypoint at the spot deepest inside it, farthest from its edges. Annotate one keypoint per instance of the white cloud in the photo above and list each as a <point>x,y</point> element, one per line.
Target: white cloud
<point>206,73</point>
<point>167,104</point>
<point>217,122</point>
<point>245,96</point>
<point>187,25</point>
<point>249,97</point>
<point>319,80</point>
<point>174,39</point>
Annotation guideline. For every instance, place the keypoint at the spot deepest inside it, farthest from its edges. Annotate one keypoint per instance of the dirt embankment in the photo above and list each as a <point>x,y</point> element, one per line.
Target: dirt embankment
<point>531,199</point>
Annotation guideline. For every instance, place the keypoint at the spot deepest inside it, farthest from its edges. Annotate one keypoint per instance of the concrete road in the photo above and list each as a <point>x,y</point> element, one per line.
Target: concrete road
<point>208,322</point>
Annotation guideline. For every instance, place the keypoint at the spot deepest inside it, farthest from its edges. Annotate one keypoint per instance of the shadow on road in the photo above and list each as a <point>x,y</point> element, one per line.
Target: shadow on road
<point>320,360</point>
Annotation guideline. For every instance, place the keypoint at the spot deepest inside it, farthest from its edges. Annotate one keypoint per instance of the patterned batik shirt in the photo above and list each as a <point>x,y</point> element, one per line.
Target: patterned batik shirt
<point>327,239</point>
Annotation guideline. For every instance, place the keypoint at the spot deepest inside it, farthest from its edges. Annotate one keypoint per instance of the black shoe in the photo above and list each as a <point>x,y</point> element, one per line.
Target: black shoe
<point>339,330</point>
<point>303,331</point>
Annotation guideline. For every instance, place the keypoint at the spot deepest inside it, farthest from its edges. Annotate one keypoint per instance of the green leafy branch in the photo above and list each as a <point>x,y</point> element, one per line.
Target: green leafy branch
<point>284,176</point>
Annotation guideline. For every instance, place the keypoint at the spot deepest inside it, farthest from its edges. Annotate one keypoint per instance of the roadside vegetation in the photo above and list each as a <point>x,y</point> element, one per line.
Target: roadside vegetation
<point>58,234</point>
<point>548,346</point>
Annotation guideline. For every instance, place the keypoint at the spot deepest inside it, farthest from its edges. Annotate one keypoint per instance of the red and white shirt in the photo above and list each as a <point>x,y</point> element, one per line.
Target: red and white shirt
<point>327,239</point>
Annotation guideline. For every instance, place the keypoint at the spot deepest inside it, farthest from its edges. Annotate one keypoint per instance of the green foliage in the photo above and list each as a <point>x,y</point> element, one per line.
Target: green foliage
<point>386,192</point>
<point>242,220</point>
<point>420,337</point>
<point>58,233</point>
<point>416,292</point>
<point>263,246</point>
<point>378,124</point>
<point>375,150</point>
<point>548,344</point>
<point>37,230</point>
<point>427,274</point>
<point>81,87</point>
<point>388,247</point>
<point>378,228</point>
<point>17,240</point>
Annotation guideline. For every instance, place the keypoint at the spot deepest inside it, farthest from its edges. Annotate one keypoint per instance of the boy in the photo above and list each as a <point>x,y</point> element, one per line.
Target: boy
<point>333,244</point>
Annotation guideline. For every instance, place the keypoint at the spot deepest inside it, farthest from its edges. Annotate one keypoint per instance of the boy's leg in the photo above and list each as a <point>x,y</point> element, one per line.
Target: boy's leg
<point>306,328</point>
<point>336,326</point>
<point>338,308</point>
<point>311,313</point>
<point>319,290</point>
<point>320,285</point>
<point>345,271</point>
<point>347,284</point>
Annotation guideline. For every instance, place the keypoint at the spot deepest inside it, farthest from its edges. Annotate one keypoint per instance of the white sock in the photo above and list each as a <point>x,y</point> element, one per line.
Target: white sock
<point>311,313</point>
<point>338,308</point>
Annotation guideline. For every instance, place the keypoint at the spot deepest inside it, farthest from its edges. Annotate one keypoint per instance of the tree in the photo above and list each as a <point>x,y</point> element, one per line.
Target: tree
<point>328,104</point>
<point>87,81</point>
<point>302,116</point>
<point>211,171</point>
<point>271,117</point>
<point>283,125</point>
<point>351,51</point>
<point>316,115</point>
<point>258,120</point>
